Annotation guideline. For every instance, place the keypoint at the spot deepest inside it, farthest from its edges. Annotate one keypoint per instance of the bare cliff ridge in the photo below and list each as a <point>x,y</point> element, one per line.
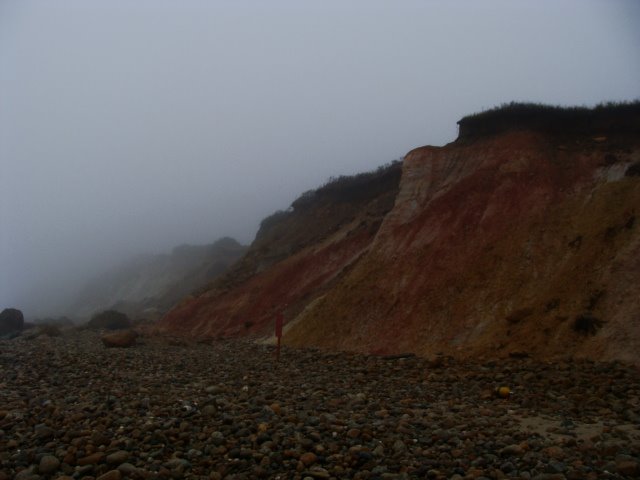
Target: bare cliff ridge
<point>521,236</point>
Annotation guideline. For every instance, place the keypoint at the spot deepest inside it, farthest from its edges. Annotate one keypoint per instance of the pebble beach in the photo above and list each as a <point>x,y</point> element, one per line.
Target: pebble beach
<point>171,409</point>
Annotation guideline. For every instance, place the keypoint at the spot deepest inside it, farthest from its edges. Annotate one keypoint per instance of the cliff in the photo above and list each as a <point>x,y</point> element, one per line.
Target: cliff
<point>297,256</point>
<point>515,238</point>
<point>149,285</point>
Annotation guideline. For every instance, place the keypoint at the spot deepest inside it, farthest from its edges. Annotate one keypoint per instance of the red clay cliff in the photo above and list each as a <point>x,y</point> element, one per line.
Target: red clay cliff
<point>506,241</point>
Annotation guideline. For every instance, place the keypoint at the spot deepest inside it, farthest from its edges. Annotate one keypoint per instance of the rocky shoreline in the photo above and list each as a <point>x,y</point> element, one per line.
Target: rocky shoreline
<point>71,408</point>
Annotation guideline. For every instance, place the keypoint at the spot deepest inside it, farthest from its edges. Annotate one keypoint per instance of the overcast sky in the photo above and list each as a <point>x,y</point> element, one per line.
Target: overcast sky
<point>134,126</point>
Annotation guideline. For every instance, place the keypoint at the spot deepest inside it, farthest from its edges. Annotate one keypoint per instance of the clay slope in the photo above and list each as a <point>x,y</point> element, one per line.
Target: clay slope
<point>297,256</point>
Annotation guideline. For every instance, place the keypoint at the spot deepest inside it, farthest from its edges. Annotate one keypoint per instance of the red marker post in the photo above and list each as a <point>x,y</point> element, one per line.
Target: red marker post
<point>279,322</point>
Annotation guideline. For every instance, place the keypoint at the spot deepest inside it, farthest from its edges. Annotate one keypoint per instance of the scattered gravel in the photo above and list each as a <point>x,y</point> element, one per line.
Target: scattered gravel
<point>70,408</point>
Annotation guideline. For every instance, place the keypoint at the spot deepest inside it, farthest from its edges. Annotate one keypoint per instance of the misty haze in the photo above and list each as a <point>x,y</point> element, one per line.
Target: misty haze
<point>134,128</point>
<point>284,239</point>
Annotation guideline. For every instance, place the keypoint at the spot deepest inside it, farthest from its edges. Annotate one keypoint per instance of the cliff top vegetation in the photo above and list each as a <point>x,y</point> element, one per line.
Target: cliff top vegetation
<point>607,117</point>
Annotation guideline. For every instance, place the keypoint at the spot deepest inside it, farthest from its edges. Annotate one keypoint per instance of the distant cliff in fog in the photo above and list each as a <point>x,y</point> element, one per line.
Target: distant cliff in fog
<point>148,285</point>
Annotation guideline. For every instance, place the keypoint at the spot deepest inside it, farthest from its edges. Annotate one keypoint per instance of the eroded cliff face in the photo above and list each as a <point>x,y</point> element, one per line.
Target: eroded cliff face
<point>520,241</point>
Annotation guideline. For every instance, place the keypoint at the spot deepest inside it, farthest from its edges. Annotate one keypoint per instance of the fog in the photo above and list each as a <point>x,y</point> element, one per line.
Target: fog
<point>132,127</point>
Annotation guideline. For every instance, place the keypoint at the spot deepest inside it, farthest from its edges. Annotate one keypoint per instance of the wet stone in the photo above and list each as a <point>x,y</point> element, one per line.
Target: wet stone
<point>48,464</point>
<point>117,457</point>
<point>630,468</point>
<point>111,475</point>
<point>92,459</point>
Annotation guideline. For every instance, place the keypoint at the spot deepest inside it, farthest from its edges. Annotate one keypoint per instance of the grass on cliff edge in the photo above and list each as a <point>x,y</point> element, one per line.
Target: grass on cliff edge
<point>620,117</point>
<point>345,188</point>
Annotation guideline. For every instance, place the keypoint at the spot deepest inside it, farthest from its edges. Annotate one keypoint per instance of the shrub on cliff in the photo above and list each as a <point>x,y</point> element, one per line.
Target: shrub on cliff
<point>271,221</point>
<point>353,188</point>
<point>109,320</point>
<point>618,117</point>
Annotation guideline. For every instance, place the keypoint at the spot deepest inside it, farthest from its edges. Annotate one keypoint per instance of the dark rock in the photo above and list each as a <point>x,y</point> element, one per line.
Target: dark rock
<point>43,432</point>
<point>100,438</point>
<point>11,321</point>
<point>118,457</point>
<point>26,474</point>
<point>92,459</point>
<point>111,475</point>
<point>633,170</point>
<point>48,464</point>
<point>129,470</point>
<point>308,458</point>
<point>629,468</point>
<point>557,467</point>
<point>511,450</point>
<point>317,473</point>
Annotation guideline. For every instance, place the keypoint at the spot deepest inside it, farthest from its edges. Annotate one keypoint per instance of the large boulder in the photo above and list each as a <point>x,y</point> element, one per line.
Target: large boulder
<point>11,321</point>
<point>109,320</point>
<point>120,339</point>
